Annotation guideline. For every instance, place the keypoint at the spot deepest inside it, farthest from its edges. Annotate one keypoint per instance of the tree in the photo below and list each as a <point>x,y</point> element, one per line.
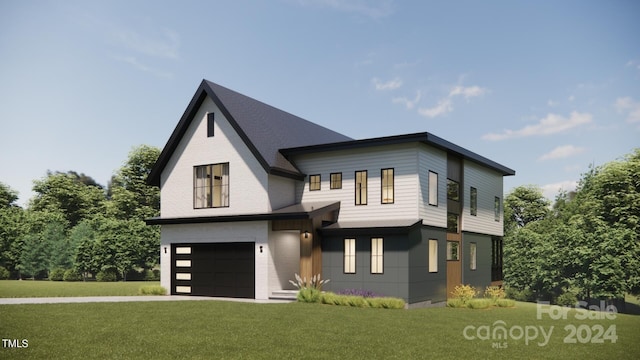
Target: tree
<point>525,204</point>
<point>69,194</point>
<point>11,228</point>
<point>130,196</point>
<point>8,196</point>
<point>40,248</point>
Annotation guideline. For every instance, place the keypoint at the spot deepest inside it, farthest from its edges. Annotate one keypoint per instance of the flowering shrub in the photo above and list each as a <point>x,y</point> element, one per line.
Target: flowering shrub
<point>464,293</point>
<point>309,291</point>
<point>358,292</point>
<point>494,293</point>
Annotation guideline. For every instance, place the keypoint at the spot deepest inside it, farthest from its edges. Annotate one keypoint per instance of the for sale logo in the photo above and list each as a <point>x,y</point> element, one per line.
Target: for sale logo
<point>499,333</point>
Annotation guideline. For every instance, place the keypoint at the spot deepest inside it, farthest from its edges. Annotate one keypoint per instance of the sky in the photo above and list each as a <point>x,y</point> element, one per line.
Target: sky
<point>547,88</point>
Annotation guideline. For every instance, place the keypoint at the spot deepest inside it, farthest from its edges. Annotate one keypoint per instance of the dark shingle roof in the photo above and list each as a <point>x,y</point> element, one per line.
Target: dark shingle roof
<point>263,128</point>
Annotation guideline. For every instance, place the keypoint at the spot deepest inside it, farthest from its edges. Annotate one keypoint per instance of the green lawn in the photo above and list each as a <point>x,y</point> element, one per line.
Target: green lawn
<point>31,288</point>
<point>218,329</point>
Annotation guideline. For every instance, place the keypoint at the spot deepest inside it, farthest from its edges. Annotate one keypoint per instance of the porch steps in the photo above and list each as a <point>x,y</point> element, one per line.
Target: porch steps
<point>284,294</point>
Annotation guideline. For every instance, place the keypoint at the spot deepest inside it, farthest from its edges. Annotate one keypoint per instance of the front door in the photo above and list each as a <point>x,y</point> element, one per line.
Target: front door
<point>454,265</point>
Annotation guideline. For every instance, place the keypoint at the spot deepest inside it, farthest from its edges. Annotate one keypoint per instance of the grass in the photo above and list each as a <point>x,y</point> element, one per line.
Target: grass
<point>31,288</point>
<point>217,329</point>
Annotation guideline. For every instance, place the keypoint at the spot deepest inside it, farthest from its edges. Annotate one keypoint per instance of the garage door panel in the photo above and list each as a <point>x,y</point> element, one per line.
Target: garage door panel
<point>216,269</point>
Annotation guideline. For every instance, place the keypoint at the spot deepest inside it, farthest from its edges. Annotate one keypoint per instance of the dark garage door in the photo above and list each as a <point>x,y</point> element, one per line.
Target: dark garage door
<point>220,269</point>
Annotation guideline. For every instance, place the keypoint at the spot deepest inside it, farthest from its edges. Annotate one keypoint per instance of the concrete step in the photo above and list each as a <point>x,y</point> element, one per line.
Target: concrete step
<point>284,294</point>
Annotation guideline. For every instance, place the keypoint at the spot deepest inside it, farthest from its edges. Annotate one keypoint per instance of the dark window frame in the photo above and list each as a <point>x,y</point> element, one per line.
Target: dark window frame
<point>349,256</point>
<point>209,187</point>
<point>210,124</point>
<point>359,191</point>
<point>383,179</point>
<point>381,256</point>
<point>335,181</point>
<point>429,188</point>
<point>318,183</point>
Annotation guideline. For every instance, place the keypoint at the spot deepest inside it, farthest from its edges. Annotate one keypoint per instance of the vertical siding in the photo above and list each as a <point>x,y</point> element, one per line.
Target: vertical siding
<point>435,160</point>
<point>402,158</point>
<point>247,178</point>
<point>489,185</point>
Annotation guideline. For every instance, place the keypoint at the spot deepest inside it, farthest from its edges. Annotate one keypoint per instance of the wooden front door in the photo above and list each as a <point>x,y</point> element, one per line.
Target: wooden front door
<point>454,264</point>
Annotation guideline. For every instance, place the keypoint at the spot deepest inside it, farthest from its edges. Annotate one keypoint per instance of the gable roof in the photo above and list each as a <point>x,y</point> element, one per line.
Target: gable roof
<point>263,128</point>
<point>423,137</point>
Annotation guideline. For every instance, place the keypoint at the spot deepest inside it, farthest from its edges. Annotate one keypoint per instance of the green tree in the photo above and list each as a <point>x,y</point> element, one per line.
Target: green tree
<point>69,194</point>
<point>8,196</point>
<point>11,228</point>
<point>41,246</point>
<point>525,204</point>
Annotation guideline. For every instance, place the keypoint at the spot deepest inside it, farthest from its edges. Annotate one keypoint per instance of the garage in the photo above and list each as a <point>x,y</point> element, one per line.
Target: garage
<point>213,269</point>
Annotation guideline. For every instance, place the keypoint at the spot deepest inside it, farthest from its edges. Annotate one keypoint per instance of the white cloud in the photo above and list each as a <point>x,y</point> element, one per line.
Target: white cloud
<point>561,152</point>
<point>409,104</point>
<point>140,66</point>
<point>373,9</point>
<point>630,107</point>
<point>551,190</point>
<point>164,46</point>
<point>551,124</point>
<point>389,85</point>
<point>444,106</point>
<point>552,103</point>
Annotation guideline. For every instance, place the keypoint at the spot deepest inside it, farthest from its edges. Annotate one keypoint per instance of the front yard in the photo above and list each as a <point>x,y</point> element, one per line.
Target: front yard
<point>219,329</point>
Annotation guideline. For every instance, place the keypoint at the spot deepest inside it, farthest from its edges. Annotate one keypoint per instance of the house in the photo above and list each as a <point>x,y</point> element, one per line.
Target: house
<point>251,195</point>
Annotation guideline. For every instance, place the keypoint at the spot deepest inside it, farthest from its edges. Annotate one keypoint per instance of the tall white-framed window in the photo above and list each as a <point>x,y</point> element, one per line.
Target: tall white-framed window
<point>473,248</point>
<point>377,256</point>
<point>433,255</point>
<point>349,256</point>
<point>433,188</point>
<point>211,186</point>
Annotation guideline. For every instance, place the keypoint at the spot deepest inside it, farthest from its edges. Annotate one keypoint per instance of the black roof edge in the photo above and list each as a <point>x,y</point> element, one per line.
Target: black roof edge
<point>377,229</point>
<point>286,173</point>
<point>201,93</point>
<point>423,137</point>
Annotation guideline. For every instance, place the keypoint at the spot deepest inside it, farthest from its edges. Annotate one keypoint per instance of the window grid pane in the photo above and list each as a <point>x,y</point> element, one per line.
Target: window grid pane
<point>211,186</point>
<point>377,254</point>
<point>336,181</point>
<point>314,182</point>
<point>349,256</point>
<point>387,186</point>
<point>361,187</point>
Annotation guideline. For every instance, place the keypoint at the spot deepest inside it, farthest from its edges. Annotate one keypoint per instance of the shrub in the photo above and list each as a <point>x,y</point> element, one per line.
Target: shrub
<point>479,303</point>
<point>72,275</point>
<point>152,275</point>
<point>4,273</point>
<point>309,295</point>
<point>356,301</point>
<point>505,303</point>
<point>107,275</point>
<point>152,290</point>
<point>358,292</point>
<point>315,282</point>
<point>57,274</point>
<point>386,303</point>
<point>569,297</point>
<point>519,295</point>
<point>456,303</point>
<point>494,293</point>
<point>464,292</point>
<point>329,298</point>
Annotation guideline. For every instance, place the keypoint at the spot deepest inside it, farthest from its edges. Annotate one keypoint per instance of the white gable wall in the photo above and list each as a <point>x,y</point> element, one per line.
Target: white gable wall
<point>247,178</point>
<point>489,185</point>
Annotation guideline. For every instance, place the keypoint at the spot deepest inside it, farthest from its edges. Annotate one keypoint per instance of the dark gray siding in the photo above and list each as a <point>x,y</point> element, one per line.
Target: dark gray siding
<point>481,277</point>
<point>426,286</point>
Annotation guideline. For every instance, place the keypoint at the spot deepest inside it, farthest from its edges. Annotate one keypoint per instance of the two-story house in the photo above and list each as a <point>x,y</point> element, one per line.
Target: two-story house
<point>251,195</point>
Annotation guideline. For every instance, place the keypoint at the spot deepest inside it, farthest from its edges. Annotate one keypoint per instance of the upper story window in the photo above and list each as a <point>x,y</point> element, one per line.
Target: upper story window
<point>473,201</point>
<point>336,181</point>
<point>210,125</point>
<point>433,188</point>
<point>496,208</point>
<point>314,182</point>
<point>211,186</point>
<point>453,190</point>
<point>361,187</point>
<point>387,186</point>
<point>453,221</point>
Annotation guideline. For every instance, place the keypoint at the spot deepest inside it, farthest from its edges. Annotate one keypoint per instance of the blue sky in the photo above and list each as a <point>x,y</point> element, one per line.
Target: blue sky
<point>544,87</point>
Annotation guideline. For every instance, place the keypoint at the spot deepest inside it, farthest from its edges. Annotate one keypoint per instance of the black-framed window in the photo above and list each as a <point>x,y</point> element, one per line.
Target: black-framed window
<point>210,125</point>
<point>349,256</point>
<point>387,184</point>
<point>314,182</point>
<point>433,188</point>
<point>361,187</point>
<point>336,181</point>
<point>473,201</point>
<point>453,250</point>
<point>496,208</point>
<point>211,186</point>
<point>377,255</point>
<point>453,221</point>
<point>453,190</point>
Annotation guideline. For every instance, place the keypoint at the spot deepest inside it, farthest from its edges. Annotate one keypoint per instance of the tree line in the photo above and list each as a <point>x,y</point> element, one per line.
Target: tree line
<point>77,227</point>
<point>586,245</point>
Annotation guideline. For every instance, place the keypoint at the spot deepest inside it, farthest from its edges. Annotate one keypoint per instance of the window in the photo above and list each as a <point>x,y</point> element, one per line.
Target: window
<point>433,188</point>
<point>496,259</point>
<point>349,256</point>
<point>453,252</point>
<point>452,222</point>
<point>377,252</point>
<point>453,190</point>
<point>496,208</point>
<point>387,186</point>
<point>474,201</point>
<point>314,182</point>
<point>336,181</point>
<point>211,186</point>
<point>210,125</point>
<point>472,255</point>
<point>361,187</point>
<point>433,256</point>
